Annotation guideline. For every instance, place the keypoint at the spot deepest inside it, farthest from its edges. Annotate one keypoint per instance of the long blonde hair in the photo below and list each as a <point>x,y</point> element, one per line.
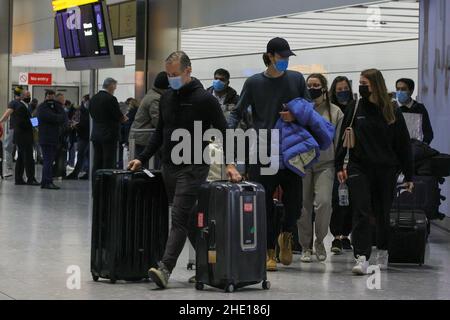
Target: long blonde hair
<point>380,93</point>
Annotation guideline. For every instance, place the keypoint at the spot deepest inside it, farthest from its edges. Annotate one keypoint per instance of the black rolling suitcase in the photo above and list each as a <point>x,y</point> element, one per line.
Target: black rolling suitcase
<point>408,233</point>
<point>426,197</point>
<point>440,165</point>
<point>231,243</point>
<point>130,224</point>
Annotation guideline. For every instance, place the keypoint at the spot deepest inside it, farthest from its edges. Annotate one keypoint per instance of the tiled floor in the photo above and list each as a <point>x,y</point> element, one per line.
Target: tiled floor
<point>42,233</point>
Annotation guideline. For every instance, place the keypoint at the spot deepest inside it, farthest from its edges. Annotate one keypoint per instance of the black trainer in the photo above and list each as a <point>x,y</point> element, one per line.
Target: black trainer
<point>50,186</point>
<point>346,244</point>
<point>33,182</point>
<point>336,246</point>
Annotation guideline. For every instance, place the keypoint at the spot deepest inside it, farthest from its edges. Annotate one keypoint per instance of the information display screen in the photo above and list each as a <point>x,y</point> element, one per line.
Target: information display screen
<point>82,31</point>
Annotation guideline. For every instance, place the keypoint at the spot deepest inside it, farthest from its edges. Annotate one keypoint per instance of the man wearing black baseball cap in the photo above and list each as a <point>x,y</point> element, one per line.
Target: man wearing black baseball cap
<point>266,93</point>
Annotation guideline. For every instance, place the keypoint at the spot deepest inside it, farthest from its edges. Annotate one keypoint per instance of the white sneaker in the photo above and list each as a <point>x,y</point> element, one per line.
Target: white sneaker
<point>361,266</point>
<point>321,252</point>
<point>306,256</point>
<point>382,259</point>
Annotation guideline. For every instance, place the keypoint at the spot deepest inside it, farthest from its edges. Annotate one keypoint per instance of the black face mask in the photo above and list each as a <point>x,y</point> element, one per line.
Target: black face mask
<point>27,100</point>
<point>315,93</point>
<point>364,92</point>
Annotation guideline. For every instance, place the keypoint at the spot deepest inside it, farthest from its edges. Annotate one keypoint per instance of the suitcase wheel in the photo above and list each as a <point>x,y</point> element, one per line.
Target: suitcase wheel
<point>266,285</point>
<point>199,286</point>
<point>229,288</point>
<point>95,278</point>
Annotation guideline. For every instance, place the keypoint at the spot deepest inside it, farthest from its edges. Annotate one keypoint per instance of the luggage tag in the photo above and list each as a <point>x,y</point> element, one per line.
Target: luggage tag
<point>212,257</point>
<point>147,172</point>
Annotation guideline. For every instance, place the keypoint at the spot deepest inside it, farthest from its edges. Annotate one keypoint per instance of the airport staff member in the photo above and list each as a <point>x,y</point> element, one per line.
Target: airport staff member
<point>107,117</point>
<point>51,116</point>
<point>23,139</point>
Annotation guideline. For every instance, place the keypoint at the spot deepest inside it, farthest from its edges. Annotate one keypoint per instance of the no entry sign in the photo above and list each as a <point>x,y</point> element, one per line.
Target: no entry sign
<point>40,79</point>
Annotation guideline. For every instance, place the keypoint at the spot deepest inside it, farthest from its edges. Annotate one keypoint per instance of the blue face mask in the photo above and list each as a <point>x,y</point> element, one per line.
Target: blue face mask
<point>343,96</point>
<point>403,97</point>
<point>282,65</point>
<point>175,82</point>
<point>218,85</point>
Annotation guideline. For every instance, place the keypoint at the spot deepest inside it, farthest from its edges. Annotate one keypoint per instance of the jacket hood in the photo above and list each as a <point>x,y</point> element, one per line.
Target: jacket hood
<point>195,84</point>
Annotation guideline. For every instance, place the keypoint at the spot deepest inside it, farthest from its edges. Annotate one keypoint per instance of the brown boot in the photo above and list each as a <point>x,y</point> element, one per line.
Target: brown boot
<point>271,263</point>
<point>285,243</point>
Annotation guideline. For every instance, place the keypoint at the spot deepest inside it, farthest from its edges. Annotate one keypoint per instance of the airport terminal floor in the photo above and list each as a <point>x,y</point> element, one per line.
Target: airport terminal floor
<point>43,233</point>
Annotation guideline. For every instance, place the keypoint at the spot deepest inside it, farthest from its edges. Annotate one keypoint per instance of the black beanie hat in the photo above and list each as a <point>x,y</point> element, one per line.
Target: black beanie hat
<point>161,81</point>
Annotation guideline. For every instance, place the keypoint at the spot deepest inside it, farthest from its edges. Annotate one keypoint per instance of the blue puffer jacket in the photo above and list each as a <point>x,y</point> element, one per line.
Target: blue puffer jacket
<point>301,141</point>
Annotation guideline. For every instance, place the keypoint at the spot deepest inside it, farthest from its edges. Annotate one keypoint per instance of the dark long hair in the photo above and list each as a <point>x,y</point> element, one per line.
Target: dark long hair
<point>324,83</point>
<point>380,93</point>
<point>333,95</point>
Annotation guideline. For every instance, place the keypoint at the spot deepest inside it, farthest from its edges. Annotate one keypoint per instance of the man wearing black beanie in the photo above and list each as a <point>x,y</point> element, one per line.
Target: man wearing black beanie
<point>148,113</point>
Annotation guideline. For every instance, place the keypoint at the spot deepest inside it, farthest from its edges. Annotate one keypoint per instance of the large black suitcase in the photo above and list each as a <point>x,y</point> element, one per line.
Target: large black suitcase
<point>231,242</point>
<point>440,165</point>
<point>408,234</point>
<point>426,197</point>
<point>130,224</point>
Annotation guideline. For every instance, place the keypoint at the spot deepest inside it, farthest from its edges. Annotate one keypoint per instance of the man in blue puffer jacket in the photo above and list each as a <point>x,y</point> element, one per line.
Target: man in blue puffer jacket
<point>302,140</point>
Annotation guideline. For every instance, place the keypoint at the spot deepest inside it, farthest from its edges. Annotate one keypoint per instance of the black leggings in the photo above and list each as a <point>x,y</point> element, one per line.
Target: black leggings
<point>292,199</point>
<point>371,190</point>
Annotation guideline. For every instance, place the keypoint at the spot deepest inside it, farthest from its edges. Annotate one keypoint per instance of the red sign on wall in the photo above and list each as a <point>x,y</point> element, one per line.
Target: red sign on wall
<point>40,79</point>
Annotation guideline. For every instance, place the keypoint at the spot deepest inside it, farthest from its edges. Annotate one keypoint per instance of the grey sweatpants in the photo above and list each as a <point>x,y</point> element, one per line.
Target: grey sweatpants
<point>317,195</point>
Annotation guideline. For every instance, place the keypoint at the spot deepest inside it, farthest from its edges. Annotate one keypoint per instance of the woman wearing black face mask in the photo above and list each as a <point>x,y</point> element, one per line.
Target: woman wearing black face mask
<point>381,150</point>
<point>318,181</point>
<point>341,94</point>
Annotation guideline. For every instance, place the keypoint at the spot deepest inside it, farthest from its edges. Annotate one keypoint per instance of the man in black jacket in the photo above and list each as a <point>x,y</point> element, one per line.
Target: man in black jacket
<point>23,139</point>
<point>107,117</point>
<point>81,124</point>
<point>52,117</point>
<point>405,89</point>
<point>187,102</point>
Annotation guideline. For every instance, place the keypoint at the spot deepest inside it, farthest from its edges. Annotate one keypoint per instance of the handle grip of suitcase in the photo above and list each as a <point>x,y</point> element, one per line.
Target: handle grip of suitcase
<point>403,188</point>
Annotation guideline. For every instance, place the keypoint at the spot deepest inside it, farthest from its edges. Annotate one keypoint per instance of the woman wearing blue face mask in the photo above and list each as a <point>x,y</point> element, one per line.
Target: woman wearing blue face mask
<point>341,95</point>
<point>318,180</point>
<point>405,89</point>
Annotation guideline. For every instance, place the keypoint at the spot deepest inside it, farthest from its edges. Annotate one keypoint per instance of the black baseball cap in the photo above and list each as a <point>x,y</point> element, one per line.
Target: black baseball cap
<point>280,46</point>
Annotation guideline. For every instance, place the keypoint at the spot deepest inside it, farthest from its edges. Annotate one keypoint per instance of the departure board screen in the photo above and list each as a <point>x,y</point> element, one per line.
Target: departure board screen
<point>82,31</point>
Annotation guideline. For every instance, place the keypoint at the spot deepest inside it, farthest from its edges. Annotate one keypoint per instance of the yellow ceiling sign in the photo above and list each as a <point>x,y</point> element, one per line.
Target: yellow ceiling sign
<point>65,4</point>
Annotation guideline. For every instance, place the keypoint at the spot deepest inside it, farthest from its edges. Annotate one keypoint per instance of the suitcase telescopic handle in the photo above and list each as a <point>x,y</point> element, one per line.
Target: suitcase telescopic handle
<point>401,188</point>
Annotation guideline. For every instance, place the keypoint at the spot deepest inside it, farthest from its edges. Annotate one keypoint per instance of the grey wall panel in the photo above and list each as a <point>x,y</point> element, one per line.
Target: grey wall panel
<point>434,73</point>
<point>5,53</point>
<point>200,13</point>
